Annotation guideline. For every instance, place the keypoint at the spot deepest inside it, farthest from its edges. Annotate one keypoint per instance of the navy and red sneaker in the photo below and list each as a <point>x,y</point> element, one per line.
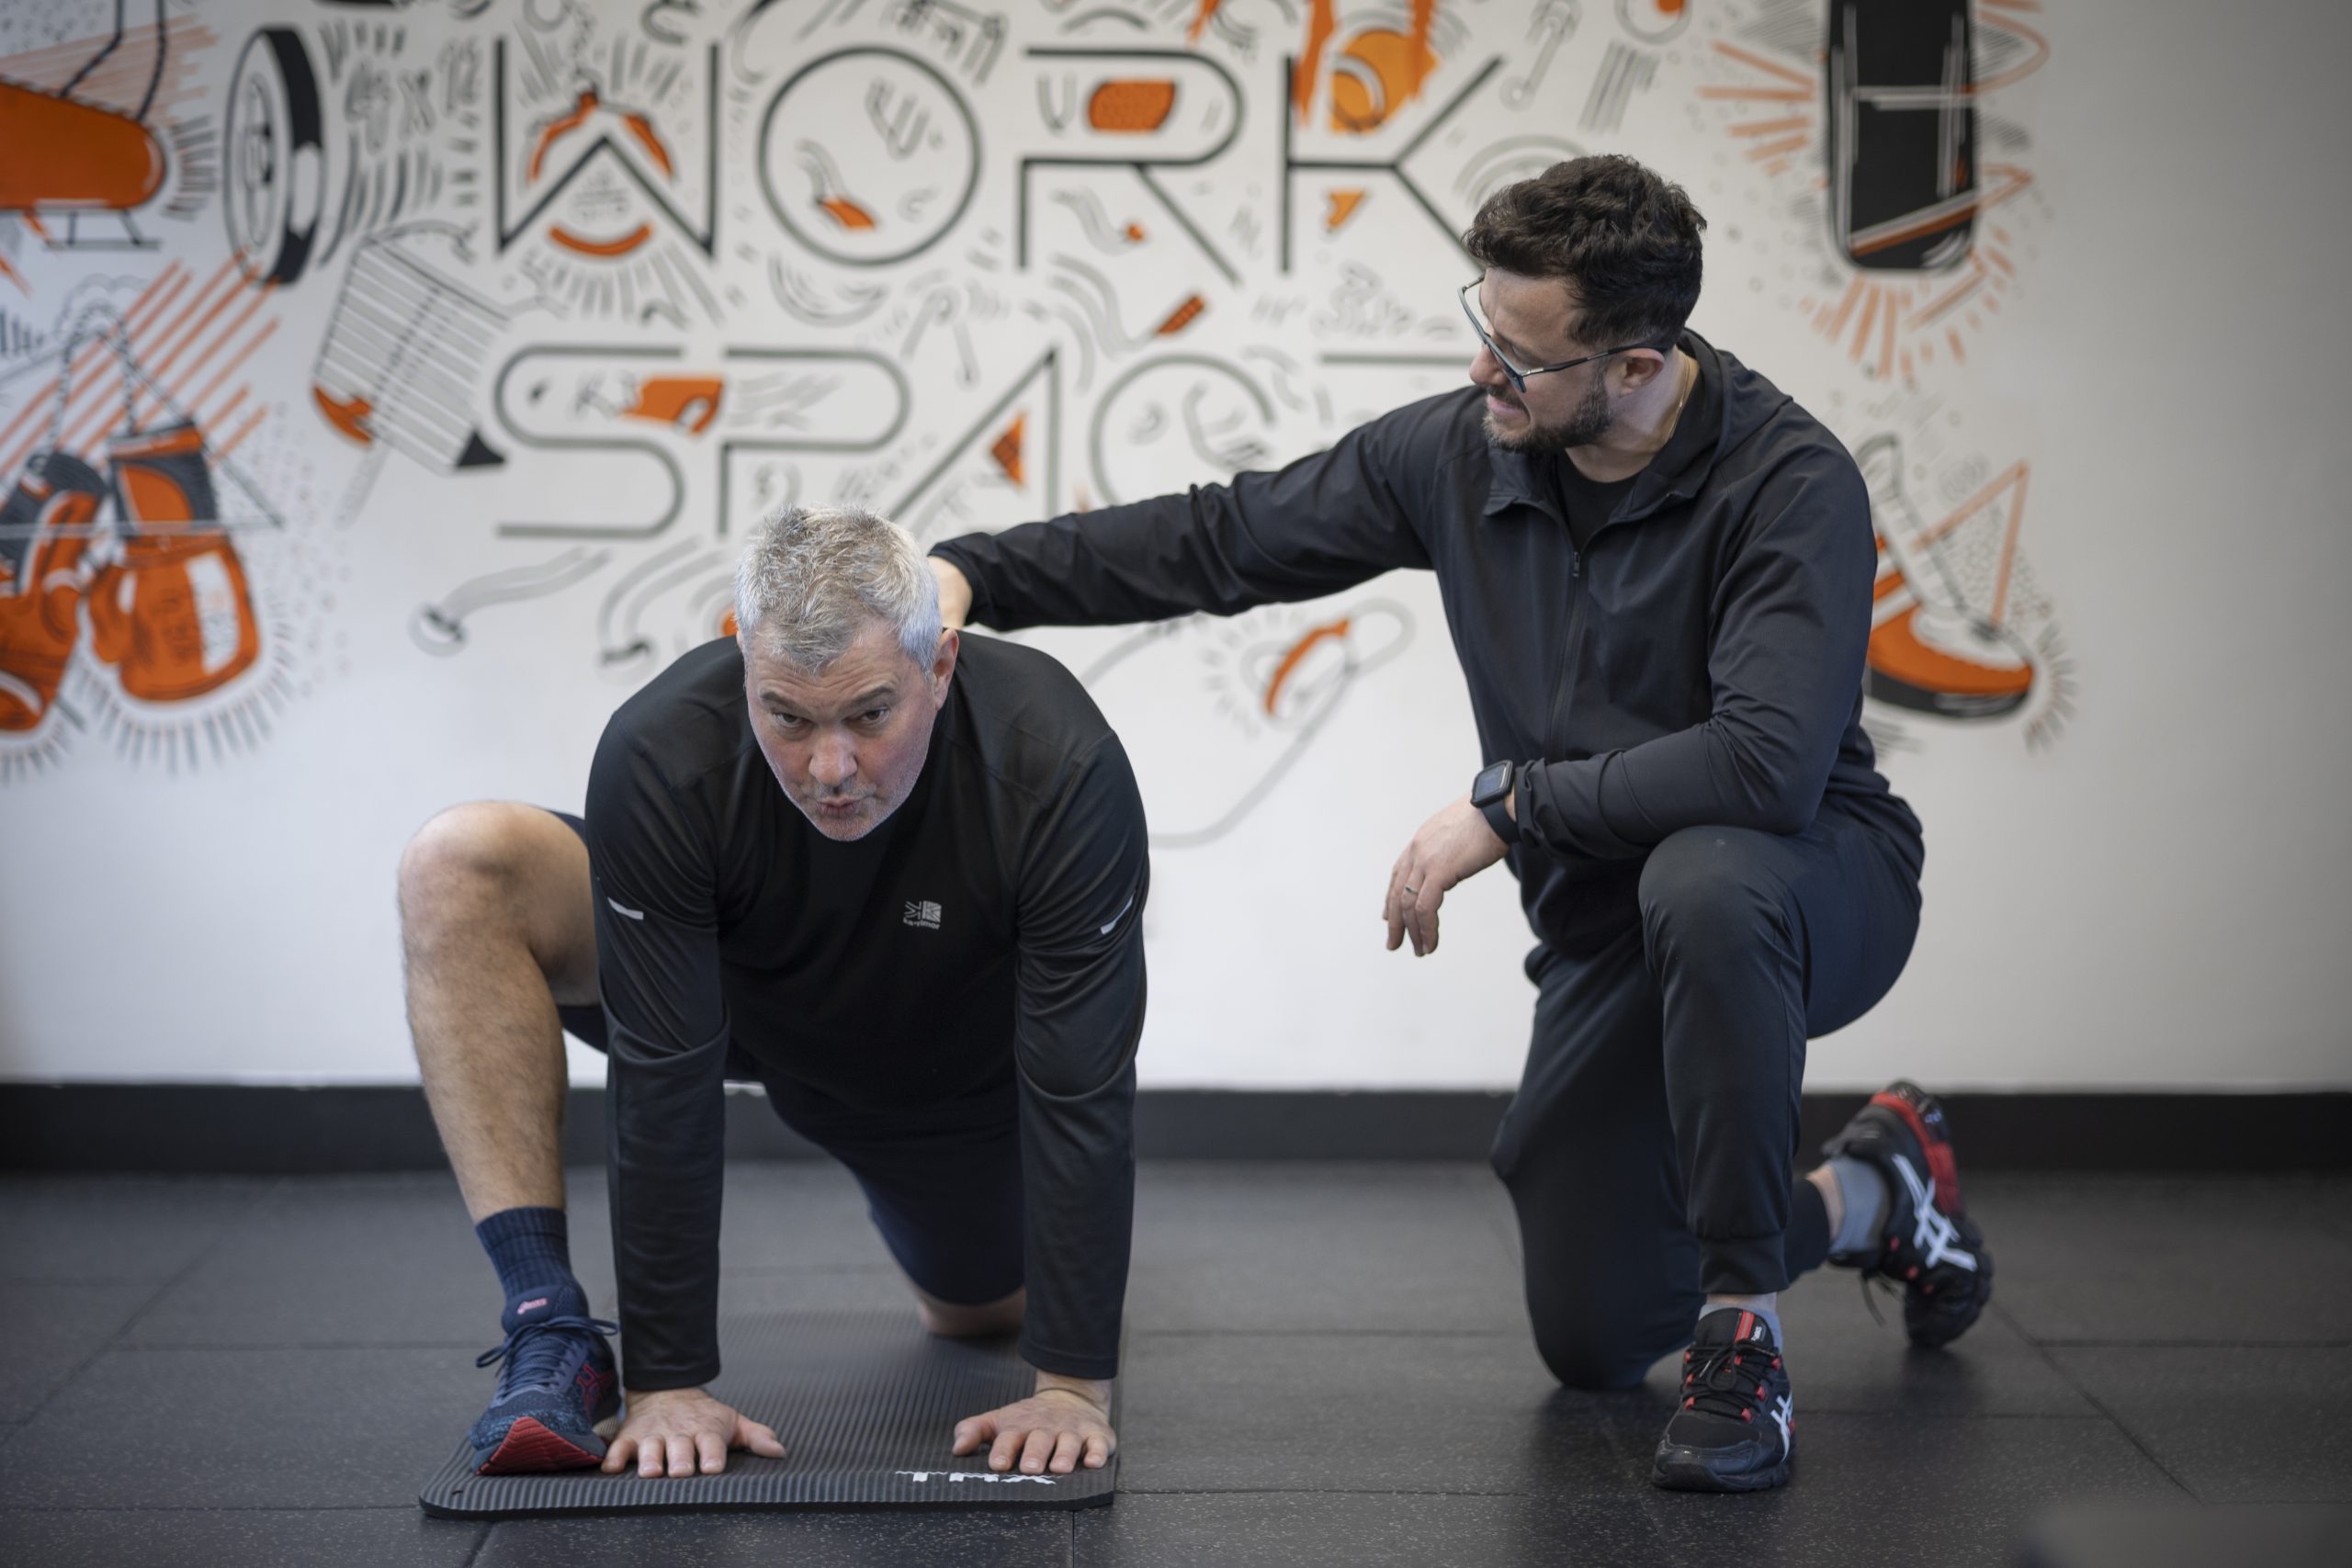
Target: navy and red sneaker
<point>1930,1248</point>
<point>558,1394</point>
<point>1736,1428</point>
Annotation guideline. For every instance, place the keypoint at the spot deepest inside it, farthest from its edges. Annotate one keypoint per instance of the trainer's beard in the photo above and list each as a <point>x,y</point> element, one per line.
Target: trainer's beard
<point>1591,420</point>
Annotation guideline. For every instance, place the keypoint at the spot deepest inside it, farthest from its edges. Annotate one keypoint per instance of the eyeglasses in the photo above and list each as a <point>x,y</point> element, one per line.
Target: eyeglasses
<point>1519,376</point>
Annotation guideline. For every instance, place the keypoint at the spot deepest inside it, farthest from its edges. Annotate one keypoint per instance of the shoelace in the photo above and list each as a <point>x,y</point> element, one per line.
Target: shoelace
<point>535,1351</point>
<point>1718,1381</point>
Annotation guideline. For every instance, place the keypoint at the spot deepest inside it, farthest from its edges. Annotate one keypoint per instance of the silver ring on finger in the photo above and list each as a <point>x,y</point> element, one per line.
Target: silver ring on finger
<point>1414,891</point>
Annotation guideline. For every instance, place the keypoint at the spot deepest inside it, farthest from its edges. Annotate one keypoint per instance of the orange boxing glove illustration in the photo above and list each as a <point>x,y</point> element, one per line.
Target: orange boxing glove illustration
<point>43,533</point>
<point>175,615</point>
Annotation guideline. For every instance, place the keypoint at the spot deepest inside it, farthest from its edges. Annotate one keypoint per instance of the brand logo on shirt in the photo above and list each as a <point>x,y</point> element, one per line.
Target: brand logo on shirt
<point>923,916</point>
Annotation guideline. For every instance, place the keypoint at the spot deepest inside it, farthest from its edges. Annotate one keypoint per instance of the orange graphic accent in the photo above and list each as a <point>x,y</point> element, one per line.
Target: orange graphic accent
<point>637,125</point>
<point>684,402</point>
<point>1006,449</point>
<point>846,213</point>
<point>1200,20</point>
<point>40,614</point>
<point>640,129</point>
<point>229,448</point>
<point>1397,63</point>
<point>1321,23</point>
<point>347,415</point>
<point>152,302</point>
<point>727,626</point>
<point>1343,206</point>
<point>13,276</point>
<point>1134,234</point>
<point>1333,631</point>
<point>621,247</point>
<point>257,298</point>
<point>1181,317</point>
<point>557,128</point>
<point>1131,106</point>
<point>236,362</point>
<point>1949,215</point>
<point>175,615</point>
<point>88,157</point>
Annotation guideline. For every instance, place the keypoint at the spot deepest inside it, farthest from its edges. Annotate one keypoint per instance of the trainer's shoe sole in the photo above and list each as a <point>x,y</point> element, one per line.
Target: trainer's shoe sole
<point>1686,1471</point>
<point>530,1449</point>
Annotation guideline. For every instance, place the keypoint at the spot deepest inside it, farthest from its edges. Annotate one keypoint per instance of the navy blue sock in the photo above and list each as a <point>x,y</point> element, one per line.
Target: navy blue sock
<point>531,1249</point>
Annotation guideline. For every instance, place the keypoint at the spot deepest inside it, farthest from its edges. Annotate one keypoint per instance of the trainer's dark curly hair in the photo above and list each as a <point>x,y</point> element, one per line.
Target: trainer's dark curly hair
<point>1625,240</point>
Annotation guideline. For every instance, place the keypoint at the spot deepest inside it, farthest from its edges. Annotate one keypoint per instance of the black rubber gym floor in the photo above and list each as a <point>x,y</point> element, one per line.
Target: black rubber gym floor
<point>1326,1364</point>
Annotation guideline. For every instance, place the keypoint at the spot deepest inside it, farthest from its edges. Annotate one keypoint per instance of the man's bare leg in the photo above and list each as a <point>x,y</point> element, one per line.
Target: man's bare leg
<point>497,927</point>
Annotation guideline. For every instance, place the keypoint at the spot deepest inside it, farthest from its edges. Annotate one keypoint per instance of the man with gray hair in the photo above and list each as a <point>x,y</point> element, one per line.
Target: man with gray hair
<point>931,958</point>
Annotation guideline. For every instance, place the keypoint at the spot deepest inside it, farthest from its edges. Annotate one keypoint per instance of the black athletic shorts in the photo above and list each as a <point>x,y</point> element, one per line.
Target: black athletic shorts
<point>942,1183</point>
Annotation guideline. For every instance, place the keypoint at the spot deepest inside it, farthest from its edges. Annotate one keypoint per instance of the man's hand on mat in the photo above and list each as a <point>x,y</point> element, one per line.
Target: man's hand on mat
<point>1065,1424</point>
<point>674,1431</point>
<point>1454,844</point>
<point>955,593</point>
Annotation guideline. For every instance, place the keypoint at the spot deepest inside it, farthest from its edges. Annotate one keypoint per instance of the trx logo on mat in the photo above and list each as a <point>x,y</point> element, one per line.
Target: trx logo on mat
<point>921,1476</point>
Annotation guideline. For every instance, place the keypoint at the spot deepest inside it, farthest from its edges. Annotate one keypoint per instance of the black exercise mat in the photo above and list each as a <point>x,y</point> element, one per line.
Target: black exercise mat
<point>866,1407</point>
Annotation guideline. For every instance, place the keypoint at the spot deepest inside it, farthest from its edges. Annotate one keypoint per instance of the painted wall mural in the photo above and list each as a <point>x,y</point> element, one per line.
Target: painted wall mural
<point>607,281</point>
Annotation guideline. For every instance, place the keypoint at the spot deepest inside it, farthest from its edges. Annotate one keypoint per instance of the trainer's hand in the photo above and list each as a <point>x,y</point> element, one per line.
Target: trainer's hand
<point>1065,1424</point>
<point>1452,845</point>
<point>955,593</point>
<point>675,1431</point>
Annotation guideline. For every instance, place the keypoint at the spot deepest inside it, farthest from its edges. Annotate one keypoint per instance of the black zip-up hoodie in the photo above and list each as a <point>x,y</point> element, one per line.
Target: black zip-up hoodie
<point>1698,662</point>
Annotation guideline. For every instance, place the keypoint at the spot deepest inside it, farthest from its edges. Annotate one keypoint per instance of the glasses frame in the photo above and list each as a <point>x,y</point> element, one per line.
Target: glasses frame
<point>1518,377</point>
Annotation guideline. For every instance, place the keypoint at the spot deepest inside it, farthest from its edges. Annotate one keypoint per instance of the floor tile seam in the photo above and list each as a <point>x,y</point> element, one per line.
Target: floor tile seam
<point>114,1339</point>
<point>1130,1491</point>
<point>1139,1332</point>
<point>1954,1416</point>
<point>469,1345</point>
<point>2099,1404</point>
<point>7,1508</point>
<point>2194,1343</point>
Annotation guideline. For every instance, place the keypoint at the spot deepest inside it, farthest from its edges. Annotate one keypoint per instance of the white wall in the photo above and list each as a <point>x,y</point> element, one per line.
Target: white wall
<point>2154,893</point>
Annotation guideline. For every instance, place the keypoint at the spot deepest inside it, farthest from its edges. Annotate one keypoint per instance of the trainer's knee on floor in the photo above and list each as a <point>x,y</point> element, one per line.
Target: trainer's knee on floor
<point>1584,1354</point>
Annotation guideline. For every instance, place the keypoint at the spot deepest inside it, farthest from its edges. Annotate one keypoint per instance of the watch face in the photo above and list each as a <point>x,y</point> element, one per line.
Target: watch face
<point>1489,784</point>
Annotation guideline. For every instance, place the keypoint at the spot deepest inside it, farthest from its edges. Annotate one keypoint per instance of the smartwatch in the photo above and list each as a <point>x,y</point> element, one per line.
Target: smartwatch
<point>1490,793</point>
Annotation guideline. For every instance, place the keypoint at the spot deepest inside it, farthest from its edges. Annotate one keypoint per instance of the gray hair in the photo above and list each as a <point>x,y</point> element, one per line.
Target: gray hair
<point>811,577</point>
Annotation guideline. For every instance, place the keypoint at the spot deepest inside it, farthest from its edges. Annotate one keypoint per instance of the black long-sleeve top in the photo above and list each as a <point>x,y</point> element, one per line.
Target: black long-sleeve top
<point>1699,661</point>
<point>990,928</point>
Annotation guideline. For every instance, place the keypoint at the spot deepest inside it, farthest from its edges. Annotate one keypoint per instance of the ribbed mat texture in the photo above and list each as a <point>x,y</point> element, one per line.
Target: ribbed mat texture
<point>867,1407</point>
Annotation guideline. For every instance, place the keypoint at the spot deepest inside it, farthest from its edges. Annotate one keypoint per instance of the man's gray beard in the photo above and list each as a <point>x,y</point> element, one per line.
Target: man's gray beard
<point>1592,420</point>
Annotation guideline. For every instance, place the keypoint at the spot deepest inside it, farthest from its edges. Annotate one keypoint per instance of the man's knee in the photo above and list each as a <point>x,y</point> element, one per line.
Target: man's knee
<point>1585,1352</point>
<point>462,856</point>
<point>1703,893</point>
<point>489,870</point>
<point>987,1320</point>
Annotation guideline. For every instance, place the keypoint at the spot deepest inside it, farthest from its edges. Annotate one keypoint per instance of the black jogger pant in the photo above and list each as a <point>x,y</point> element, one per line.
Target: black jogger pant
<point>1649,1149</point>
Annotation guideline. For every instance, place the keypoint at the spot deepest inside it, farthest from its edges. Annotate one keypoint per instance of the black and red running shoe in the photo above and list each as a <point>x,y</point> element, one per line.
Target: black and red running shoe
<point>1929,1249</point>
<point>1737,1427</point>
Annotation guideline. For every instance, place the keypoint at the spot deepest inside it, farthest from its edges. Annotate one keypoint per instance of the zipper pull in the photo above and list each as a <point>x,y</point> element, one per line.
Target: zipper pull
<point>1576,563</point>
